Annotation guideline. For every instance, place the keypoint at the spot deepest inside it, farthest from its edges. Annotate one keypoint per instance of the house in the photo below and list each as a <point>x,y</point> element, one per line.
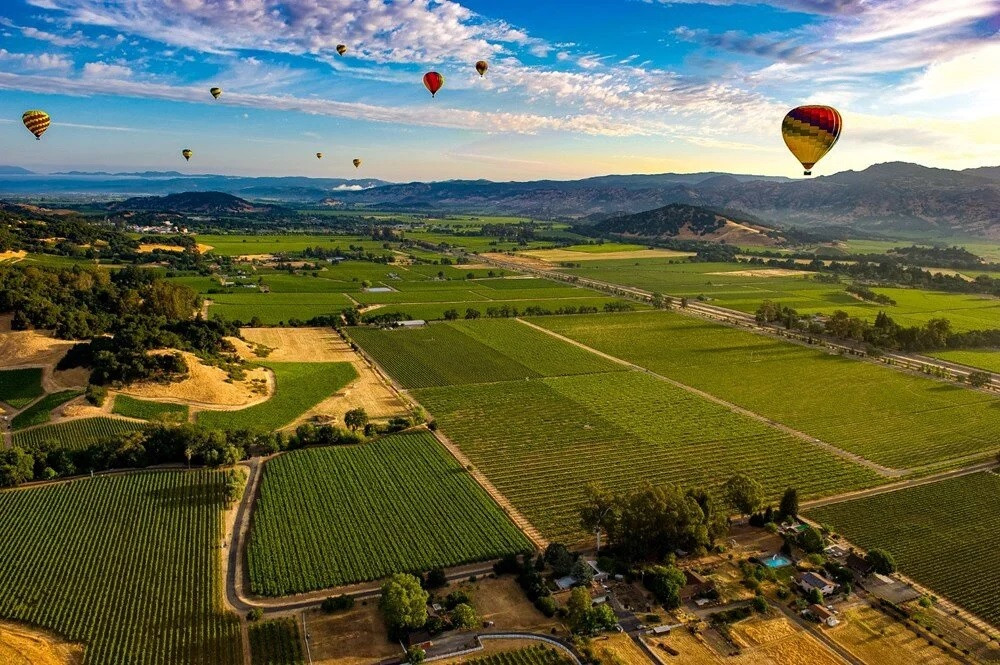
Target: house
<point>810,581</point>
<point>695,585</point>
<point>823,615</point>
<point>566,582</point>
<point>420,638</point>
<point>599,575</point>
<point>859,566</point>
<point>835,551</point>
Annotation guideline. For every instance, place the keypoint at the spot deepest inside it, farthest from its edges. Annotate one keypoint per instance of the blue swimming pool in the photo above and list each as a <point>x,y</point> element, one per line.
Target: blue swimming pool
<point>776,561</point>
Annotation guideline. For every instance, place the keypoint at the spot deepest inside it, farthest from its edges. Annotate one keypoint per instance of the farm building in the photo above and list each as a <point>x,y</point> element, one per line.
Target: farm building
<point>823,615</point>
<point>859,566</point>
<point>599,575</point>
<point>414,323</point>
<point>695,585</point>
<point>810,581</point>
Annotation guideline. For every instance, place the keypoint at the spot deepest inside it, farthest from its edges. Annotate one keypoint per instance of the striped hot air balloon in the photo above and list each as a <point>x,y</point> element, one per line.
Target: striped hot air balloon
<point>187,152</point>
<point>216,92</point>
<point>433,82</point>
<point>810,132</point>
<point>36,121</point>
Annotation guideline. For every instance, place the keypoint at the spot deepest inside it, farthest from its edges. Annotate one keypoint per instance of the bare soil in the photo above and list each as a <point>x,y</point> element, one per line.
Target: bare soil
<point>149,247</point>
<point>763,272</point>
<point>357,637</point>
<point>877,638</point>
<point>619,649</point>
<point>12,256</point>
<point>20,645</point>
<point>502,601</point>
<point>557,255</point>
<point>208,386</point>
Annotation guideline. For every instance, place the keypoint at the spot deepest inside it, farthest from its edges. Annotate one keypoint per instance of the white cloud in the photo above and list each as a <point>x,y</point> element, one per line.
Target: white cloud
<point>103,70</point>
<point>36,61</point>
<point>59,40</point>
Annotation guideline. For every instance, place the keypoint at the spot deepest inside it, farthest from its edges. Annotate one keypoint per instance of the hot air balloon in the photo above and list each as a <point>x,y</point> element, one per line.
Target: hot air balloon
<point>216,92</point>
<point>810,132</point>
<point>433,82</point>
<point>357,162</point>
<point>36,121</point>
<point>187,154</point>
<point>482,66</point>
<point>341,49</point>
<point>319,155</point>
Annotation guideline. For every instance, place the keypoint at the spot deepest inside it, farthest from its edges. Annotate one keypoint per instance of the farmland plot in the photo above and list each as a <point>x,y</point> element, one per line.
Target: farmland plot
<point>41,411</point>
<point>149,410</point>
<point>300,386</point>
<point>942,534</point>
<point>76,434</point>
<point>275,642</point>
<point>127,564</point>
<point>892,418</point>
<point>552,436</point>
<point>332,516</point>
<point>20,387</point>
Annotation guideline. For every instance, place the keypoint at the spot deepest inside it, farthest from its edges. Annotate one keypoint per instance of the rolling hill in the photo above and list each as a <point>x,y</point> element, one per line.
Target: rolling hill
<point>679,220</point>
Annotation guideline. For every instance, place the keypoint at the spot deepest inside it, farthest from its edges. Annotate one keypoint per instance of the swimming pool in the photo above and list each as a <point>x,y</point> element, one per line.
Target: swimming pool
<point>776,561</point>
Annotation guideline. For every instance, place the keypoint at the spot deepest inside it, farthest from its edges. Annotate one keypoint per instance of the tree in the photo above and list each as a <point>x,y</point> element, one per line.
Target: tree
<point>811,540</point>
<point>759,604</point>
<point>415,655</point>
<point>450,314</point>
<point>16,467</point>
<point>978,379</point>
<point>355,419</point>
<point>436,579</point>
<point>559,558</point>
<point>882,561</point>
<point>464,617</point>
<point>666,583</point>
<point>598,511</point>
<point>403,602</point>
<point>337,603</point>
<point>472,313</point>
<point>815,596</point>
<point>578,610</point>
<point>744,494</point>
<point>582,572</point>
<point>789,503</point>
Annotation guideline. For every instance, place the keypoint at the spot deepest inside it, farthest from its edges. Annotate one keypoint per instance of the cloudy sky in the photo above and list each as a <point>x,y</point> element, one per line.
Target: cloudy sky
<point>575,87</point>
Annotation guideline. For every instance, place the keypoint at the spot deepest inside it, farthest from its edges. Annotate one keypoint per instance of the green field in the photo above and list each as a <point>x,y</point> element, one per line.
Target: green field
<point>605,247</point>
<point>988,359</point>
<point>128,565</point>
<point>275,642</point>
<point>541,441</point>
<point>237,245</point>
<point>720,284</point>
<point>538,655</point>
<point>455,353</point>
<point>76,434</point>
<point>892,418</point>
<point>942,534</point>
<point>332,516</point>
<point>20,387</point>
<point>131,407</point>
<point>40,412</point>
<point>300,386</point>
<point>436,311</point>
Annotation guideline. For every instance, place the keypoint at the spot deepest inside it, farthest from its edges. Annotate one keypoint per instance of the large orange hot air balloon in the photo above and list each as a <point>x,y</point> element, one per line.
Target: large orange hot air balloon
<point>341,49</point>
<point>36,121</point>
<point>187,154</point>
<point>433,82</point>
<point>810,132</point>
<point>216,92</point>
<point>482,66</point>
<point>357,163</point>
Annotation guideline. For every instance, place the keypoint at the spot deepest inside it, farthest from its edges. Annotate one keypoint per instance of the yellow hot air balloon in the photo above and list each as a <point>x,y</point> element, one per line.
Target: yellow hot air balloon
<point>357,163</point>
<point>216,92</point>
<point>341,49</point>
<point>187,154</point>
<point>319,155</point>
<point>36,121</point>
<point>481,67</point>
<point>810,132</point>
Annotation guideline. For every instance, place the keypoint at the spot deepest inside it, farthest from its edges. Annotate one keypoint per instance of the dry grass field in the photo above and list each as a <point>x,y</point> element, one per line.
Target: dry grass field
<point>877,638</point>
<point>20,645</point>
<point>207,386</point>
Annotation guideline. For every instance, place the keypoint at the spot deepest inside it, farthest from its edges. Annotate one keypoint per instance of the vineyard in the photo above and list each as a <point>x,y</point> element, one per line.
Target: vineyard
<point>76,434</point>
<point>20,387</point>
<point>942,534</point>
<point>128,565</point>
<point>332,516</point>
<point>131,407</point>
<point>540,655</point>
<point>892,418</point>
<point>620,429</point>
<point>474,352</point>
<point>40,412</point>
<point>988,360</point>
<point>300,386</point>
<point>275,642</point>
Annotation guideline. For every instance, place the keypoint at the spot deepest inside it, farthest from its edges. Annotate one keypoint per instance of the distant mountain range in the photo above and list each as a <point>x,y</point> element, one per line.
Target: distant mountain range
<point>205,203</point>
<point>883,198</point>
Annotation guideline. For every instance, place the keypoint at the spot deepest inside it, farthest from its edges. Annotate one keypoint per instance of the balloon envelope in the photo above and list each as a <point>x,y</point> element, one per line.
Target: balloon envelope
<point>357,163</point>
<point>187,154</point>
<point>216,92</point>
<point>482,66</point>
<point>433,82</point>
<point>341,49</point>
<point>36,121</point>
<point>319,155</point>
<point>810,132</point>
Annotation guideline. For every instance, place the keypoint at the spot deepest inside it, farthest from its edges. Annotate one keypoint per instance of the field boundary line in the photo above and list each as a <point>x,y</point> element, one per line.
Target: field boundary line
<point>881,470</point>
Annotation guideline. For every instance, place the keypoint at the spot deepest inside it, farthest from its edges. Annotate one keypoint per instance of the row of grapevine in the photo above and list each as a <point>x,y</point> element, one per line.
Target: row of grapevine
<point>20,387</point>
<point>942,534</point>
<point>539,655</point>
<point>128,565</point>
<point>884,415</point>
<point>541,441</point>
<point>40,412</point>
<point>276,642</point>
<point>131,407</point>
<point>76,434</point>
<point>333,516</point>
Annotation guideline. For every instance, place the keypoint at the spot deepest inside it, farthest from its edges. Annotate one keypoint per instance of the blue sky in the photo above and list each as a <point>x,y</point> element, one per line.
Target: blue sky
<point>575,88</point>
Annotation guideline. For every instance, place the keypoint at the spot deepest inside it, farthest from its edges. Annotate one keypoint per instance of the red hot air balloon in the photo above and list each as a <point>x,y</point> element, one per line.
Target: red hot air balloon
<point>433,82</point>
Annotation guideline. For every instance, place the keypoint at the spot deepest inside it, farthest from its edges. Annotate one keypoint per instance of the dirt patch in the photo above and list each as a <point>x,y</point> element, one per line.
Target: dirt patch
<point>12,256</point>
<point>797,649</point>
<point>502,601</point>
<point>31,347</point>
<point>146,248</point>
<point>20,645</point>
<point>357,637</point>
<point>877,638</point>
<point>521,260</point>
<point>78,377</point>
<point>763,272</point>
<point>254,257</point>
<point>208,386</point>
<point>690,649</point>
<point>83,409</point>
<point>756,632</point>
<point>558,255</point>
<point>368,391</point>
<point>619,649</point>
